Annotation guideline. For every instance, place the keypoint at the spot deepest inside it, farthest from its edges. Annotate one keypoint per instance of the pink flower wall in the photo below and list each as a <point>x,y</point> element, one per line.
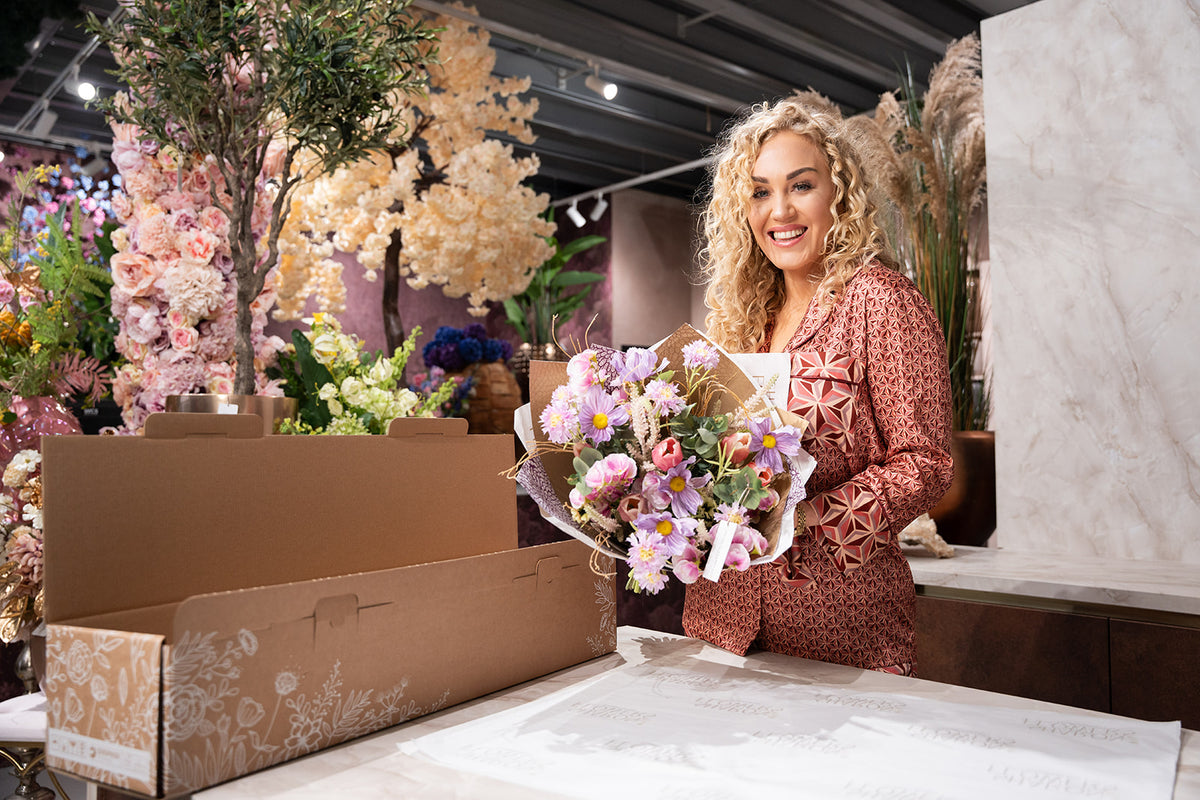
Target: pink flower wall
<point>174,287</point>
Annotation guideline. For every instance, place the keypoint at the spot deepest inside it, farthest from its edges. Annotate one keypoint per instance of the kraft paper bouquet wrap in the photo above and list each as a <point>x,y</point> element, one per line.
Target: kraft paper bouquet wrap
<point>672,459</point>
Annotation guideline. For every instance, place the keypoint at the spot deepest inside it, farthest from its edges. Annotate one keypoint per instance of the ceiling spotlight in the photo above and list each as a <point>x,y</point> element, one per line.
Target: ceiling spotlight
<point>601,87</point>
<point>573,213</point>
<point>1,155</point>
<point>601,207</point>
<point>85,90</point>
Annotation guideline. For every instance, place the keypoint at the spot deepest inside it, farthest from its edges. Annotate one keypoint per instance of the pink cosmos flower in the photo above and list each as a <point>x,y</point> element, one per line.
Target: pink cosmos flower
<point>667,453</point>
<point>7,292</point>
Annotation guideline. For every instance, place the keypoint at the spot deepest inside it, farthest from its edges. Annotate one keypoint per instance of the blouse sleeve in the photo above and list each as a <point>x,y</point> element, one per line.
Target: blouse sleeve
<point>909,387</point>
<point>909,383</point>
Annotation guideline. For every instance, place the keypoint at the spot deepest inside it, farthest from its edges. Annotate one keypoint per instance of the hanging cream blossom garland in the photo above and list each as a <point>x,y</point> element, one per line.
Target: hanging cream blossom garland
<point>465,220</point>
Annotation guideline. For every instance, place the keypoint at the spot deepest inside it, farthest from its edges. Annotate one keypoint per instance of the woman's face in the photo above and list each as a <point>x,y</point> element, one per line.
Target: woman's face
<point>789,205</point>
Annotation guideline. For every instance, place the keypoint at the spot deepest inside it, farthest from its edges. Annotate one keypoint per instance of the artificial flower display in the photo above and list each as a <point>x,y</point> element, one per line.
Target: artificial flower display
<point>21,594</point>
<point>48,275</point>
<point>670,459</point>
<point>342,389</point>
<point>445,206</point>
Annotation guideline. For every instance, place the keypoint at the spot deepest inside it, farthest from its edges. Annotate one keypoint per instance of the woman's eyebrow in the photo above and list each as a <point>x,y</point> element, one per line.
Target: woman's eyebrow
<point>790,175</point>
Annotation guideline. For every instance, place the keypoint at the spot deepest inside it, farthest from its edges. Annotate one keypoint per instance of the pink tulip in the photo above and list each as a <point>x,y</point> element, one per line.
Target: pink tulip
<point>736,447</point>
<point>667,454</point>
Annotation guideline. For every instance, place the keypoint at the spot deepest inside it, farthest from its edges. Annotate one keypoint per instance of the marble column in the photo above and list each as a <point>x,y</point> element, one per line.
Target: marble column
<point>1093,148</point>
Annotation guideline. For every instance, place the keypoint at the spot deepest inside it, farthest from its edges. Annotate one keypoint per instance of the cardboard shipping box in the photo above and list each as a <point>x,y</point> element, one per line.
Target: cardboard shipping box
<point>218,601</point>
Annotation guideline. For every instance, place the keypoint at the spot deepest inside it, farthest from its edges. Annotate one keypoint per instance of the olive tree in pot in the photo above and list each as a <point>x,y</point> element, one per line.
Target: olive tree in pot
<point>317,82</point>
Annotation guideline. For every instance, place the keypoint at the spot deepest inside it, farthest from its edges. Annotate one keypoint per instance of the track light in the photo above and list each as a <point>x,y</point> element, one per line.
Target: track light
<point>601,207</point>
<point>601,87</point>
<point>45,123</point>
<point>573,213</point>
<point>84,89</point>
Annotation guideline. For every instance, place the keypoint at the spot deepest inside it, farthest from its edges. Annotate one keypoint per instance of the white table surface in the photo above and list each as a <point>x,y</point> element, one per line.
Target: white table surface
<point>1169,586</point>
<point>375,767</point>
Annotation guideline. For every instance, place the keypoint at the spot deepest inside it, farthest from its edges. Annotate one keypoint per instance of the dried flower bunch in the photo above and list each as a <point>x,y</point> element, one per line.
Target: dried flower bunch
<point>45,279</point>
<point>930,161</point>
<point>21,594</point>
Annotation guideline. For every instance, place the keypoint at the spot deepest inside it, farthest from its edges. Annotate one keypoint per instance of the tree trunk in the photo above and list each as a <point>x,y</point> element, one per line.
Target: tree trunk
<point>393,327</point>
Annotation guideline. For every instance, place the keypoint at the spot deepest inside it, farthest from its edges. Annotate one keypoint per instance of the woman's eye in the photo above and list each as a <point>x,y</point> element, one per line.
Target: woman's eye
<point>759,194</point>
<point>803,186</point>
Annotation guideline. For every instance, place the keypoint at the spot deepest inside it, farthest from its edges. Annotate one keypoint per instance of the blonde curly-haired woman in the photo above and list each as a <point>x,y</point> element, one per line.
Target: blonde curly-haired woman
<point>796,262</point>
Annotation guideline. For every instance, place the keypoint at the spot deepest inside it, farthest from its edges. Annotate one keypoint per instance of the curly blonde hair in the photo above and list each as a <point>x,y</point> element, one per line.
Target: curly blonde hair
<point>745,291</point>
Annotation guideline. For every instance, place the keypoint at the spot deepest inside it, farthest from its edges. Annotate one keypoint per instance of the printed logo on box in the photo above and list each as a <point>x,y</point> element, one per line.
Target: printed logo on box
<point>116,759</point>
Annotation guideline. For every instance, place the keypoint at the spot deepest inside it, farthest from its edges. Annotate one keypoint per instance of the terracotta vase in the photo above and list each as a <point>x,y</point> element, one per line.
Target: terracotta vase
<point>273,410</point>
<point>494,397</point>
<point>36,417</point>
<point>966,514</point>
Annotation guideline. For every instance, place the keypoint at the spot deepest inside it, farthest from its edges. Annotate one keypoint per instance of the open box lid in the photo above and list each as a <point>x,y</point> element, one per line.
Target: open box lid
<point>204,503</point>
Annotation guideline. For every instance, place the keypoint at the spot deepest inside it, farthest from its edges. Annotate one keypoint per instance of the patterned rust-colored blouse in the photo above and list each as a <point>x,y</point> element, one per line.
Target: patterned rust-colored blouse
<point>870,376</point>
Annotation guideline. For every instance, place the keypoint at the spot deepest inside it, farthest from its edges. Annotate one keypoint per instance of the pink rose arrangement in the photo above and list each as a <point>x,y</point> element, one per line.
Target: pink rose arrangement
<point>661,476</point>
<point>174,285</point>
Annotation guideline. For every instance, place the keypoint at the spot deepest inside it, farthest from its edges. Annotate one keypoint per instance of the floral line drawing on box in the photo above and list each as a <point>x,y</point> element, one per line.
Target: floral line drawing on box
<point>605,641</point>
<point>222,733</point>
<point>105,687</point>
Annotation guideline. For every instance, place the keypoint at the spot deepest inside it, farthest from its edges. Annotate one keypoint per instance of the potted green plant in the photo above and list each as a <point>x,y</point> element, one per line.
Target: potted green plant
<point>554,294</point>
<point>934,172</point>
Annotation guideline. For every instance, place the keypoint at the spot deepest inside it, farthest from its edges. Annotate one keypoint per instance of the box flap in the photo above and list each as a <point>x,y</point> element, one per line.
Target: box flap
<point>203,513</point>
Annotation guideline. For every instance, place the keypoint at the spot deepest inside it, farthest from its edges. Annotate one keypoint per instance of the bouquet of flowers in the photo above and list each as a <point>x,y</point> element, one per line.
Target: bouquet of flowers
<point>342,389</point>
<point>670,459</point>
<point>21,524</point>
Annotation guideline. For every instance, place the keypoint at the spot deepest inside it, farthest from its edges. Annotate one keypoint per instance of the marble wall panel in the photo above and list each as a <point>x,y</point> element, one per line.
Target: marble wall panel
<point>1093,147</point>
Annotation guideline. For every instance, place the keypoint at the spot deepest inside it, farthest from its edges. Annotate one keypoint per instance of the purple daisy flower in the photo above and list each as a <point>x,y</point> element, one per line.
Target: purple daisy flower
<point>669,534</point>
<point>685,498</point>
<point>768,445</point>
<point>599,415</point>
